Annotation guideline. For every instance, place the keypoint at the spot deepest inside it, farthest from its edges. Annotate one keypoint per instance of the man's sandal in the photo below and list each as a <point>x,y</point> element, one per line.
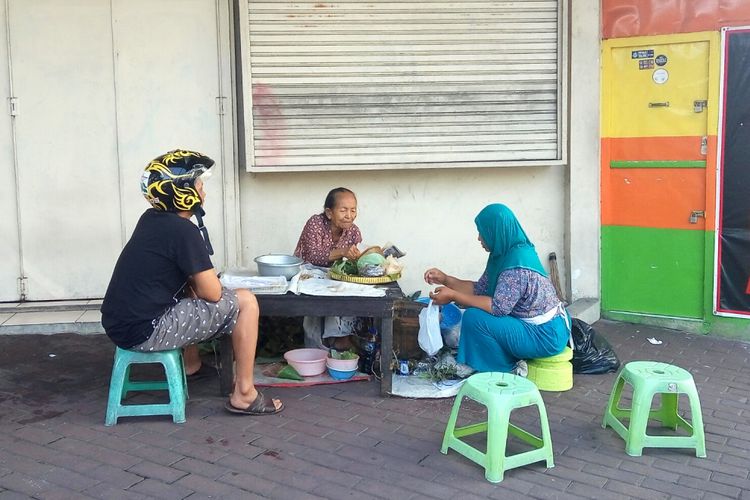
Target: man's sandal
<point>261,406</point>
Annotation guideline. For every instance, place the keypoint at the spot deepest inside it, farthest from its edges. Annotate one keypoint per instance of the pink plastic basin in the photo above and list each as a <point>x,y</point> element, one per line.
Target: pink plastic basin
<point>307,362</point>
<point>343,364</point>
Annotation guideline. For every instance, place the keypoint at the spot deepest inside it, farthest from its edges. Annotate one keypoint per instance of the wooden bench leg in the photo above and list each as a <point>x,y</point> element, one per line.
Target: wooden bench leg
<point>386,352</point>
<point>226,366</point>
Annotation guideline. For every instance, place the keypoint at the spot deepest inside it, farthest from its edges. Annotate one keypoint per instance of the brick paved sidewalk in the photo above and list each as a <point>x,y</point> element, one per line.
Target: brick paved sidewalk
<point>344,440</point>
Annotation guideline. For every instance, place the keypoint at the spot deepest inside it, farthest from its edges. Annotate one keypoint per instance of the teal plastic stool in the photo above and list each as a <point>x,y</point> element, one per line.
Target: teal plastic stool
<point>649,378</point>
<point>500,393</point>
<point>120,385</point>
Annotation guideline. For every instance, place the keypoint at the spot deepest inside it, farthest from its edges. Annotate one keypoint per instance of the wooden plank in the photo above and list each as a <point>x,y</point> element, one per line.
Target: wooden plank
<point>658,164</point>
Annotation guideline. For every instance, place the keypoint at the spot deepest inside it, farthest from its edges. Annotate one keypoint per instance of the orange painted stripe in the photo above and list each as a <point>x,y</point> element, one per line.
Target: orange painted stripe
<point>615,202</point>
<point>655,148</point>
<point>625,18</point>
<point>654,197</point>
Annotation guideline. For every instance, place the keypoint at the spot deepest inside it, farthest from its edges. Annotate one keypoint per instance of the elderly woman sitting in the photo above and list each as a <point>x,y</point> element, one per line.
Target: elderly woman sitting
<point>327,237</point>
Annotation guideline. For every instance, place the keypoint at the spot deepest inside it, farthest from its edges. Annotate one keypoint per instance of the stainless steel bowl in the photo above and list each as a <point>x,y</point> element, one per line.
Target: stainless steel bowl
<point>278,265</point>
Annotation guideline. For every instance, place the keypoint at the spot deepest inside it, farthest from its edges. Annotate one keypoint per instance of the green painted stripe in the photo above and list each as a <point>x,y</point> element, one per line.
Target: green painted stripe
<point>653,271</point>
<point>658,164</point>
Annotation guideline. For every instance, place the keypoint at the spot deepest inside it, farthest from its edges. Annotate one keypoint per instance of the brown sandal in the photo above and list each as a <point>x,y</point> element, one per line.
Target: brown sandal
<point>261,406</point>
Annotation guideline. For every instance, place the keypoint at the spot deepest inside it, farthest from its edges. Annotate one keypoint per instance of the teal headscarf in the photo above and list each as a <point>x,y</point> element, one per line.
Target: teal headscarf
<point>508,244</point>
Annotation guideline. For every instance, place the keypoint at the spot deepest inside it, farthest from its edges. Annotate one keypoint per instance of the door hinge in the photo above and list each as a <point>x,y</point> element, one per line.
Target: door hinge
<point>704,145</point>
<point>23,284</point>
<point>699,105</point>
<point>13,106</point>
<point>220,105</point>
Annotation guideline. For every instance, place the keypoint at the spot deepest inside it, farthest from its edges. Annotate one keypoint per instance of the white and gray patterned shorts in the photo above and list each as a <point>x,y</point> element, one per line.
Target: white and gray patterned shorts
<point>191,321</point>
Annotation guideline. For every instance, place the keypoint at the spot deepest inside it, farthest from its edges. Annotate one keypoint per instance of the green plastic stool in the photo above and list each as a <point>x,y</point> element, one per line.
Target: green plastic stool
<point>553,373</point>
<point>500,393</point>
<point>121,384</point>
<point>649,378</point>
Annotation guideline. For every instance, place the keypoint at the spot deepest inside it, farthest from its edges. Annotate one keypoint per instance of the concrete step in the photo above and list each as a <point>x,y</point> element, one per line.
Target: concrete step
<point>74,316</point>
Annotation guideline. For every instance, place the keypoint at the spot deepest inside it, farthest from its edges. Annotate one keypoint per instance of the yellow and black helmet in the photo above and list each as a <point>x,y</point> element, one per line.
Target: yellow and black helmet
<point>168,182</point>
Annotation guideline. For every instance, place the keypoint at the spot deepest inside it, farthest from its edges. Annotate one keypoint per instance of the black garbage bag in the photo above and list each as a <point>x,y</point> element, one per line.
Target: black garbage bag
<point>591,354</point>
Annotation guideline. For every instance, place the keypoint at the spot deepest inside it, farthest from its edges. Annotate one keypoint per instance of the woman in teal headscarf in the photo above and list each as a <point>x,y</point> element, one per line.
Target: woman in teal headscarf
<point>513,312</point>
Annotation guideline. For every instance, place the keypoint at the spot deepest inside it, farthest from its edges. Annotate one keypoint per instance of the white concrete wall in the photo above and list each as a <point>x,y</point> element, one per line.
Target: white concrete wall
<point>429,214</point>
<point>10,270</point>
<point>583,214</point>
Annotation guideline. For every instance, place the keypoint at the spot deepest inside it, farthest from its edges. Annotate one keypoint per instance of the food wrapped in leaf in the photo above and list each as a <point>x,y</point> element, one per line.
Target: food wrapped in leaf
<point>345,266</point>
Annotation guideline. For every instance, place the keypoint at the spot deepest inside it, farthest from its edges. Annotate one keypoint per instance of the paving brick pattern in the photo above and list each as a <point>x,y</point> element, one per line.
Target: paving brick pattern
<point>344,440</point>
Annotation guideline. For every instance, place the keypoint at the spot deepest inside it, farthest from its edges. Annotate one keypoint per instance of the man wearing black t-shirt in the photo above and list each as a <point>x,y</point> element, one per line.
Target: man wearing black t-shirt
<point>164,293</point>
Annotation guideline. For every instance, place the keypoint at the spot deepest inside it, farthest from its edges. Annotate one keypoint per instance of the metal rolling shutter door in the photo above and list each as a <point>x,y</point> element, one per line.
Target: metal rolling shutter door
<point>368,84</point>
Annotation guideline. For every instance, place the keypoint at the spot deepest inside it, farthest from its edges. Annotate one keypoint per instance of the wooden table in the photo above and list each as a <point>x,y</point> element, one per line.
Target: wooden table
<point>289,304</point>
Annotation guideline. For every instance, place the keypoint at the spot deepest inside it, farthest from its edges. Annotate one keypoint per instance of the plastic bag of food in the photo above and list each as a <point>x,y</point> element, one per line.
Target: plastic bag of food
<point>392,265</point>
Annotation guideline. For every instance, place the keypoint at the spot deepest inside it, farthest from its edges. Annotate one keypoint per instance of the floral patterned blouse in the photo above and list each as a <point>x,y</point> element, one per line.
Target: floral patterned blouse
<point>521,293</point>
<point>315,243</point>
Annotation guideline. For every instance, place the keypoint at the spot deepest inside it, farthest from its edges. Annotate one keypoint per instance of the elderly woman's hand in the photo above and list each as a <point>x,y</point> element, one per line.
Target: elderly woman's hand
<point>352,253</point>
<point>435,276</point>
<point>442,295</point>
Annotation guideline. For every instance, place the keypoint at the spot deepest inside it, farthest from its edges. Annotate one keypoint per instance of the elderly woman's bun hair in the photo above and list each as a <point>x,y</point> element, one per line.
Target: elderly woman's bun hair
<point>333,193</point>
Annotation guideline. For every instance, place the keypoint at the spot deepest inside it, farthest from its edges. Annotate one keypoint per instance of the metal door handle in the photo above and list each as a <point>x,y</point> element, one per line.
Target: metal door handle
<point>658,104</point>
<point>695,214</point>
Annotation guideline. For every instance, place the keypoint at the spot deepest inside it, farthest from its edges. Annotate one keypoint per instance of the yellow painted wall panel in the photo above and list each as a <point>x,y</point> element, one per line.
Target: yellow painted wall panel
<point>650,108</point>
<point>657,96</point>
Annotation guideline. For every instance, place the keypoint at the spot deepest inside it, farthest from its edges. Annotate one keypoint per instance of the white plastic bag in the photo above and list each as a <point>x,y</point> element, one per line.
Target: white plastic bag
<point>429,337</point>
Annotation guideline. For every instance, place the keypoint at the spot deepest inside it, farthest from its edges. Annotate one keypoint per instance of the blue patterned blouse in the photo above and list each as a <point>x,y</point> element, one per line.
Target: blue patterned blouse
<point>521,293</point>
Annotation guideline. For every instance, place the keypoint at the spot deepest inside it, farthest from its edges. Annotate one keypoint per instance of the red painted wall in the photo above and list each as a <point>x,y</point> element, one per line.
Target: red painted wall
<point>624,18</point>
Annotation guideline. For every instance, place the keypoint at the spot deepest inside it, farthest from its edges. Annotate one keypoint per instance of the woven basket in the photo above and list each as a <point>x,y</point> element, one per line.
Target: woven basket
<point>365,280</point>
